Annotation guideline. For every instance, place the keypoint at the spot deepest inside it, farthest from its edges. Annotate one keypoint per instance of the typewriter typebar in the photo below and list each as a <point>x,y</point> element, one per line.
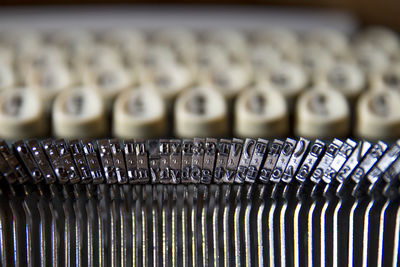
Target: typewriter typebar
<point>200,201</point>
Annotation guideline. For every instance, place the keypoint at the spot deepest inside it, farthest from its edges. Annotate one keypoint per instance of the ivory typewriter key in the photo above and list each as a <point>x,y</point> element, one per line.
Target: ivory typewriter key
<point>21,114</point>
<point>389,78</point>
<point>371,59</point>
<point>79,113</point>
<point>333,41</point>
<point>181,42</point>
<point>209,56</point>
<point>201,112</point>
<point>378,115</point>
<point>381,38</point>
<point>139,113</point>
<point>110,80</point>
<point>7,77</point>
<point>322,113</point>
<point>281,39</point>
<point>74,42</point>
<point>170,79</point>
<point>345,77</point>
<point>98,56</point>
<point>288,78</point>
<point>232,41</point>
<point>261,113</point>
<point>49,81</point>
<point>264,56</point>
<point>315,60</point>
<point>230,79</point>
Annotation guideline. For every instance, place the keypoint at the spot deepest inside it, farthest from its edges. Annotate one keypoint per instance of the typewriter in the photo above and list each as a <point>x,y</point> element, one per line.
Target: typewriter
<point>192,137</point>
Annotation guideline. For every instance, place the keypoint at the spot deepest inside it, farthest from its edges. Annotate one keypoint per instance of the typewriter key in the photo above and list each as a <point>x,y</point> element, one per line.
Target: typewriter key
<point>371,59</point>
<point>79,113</point>
<point>50,81</point>
<point>200,112</point>
<point>281,39</point>
<point>139,113</point>
<point>378,115</point>
<point>261,113</point>
<point>21,114</point>
<point>333,41</point>
<point>229,80</point>
<point>288,78</point>
<point>7,76</point>
<point>322,113</point>
<point>180,41</point>
<point>379,37</point>
<point>229,40</point>
<point>345,77</point>
<point>110,80</point>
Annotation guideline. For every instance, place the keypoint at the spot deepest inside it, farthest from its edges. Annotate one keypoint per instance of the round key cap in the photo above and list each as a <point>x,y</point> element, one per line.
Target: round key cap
<point>382,38</point>
<point>7,77</point>
<point>170,79</point>
<point>322,113</point>
<point>181,42</point>
<point>74,42</point>
<point>281,39</point>
<point>79,113</point>
<point>264,56</point>
<point>110,80</point>
<point>209,56</point>
<point>130,44</point>
<point>21,114</point>
<point>139,113</point>
<point>261,113</point>
<point>333,41</point>
<point>229,80</point>
<point>288,78</point>
<point>50,81</point>
<point>378,115</point>
<point>371,59</point>
<point>97,57</point>
<point>201,112</point>
<point>345,77</point>
<point>231,41</point>
<point>388,78</point>
<point>315,61</point>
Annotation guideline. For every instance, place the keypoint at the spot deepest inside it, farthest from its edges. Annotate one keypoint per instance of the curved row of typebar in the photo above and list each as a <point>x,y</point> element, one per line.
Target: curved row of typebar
<point>173,161</point>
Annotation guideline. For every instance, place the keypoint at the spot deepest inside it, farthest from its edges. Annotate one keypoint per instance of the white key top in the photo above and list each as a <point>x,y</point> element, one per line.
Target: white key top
<point>110,80</point>
<point>346,77</point>
<point>229,79</point>
<point>79,113</point>
<point>378,115</point>
<point>181,42</point>
<point>281,39</point>
<point>73,42</point>
<point>371,59</point>
<point>139,113</point>
<point>381,38</point>
<point>333,41</point>
<point>388,78</point>
<point>264,56</point>
<point>7,76</point>
<point>170,79</point>
<point>21,114</point>
<point>201,112</point>
<point>315,61</point>
<point>288,78</point>
<point>232,41</point>
<point>50,81</point>
<point>322,113</point>
<point>261,113</point>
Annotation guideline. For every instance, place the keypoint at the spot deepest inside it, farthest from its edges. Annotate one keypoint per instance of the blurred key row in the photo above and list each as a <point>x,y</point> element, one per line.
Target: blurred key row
<point>186,83</point>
